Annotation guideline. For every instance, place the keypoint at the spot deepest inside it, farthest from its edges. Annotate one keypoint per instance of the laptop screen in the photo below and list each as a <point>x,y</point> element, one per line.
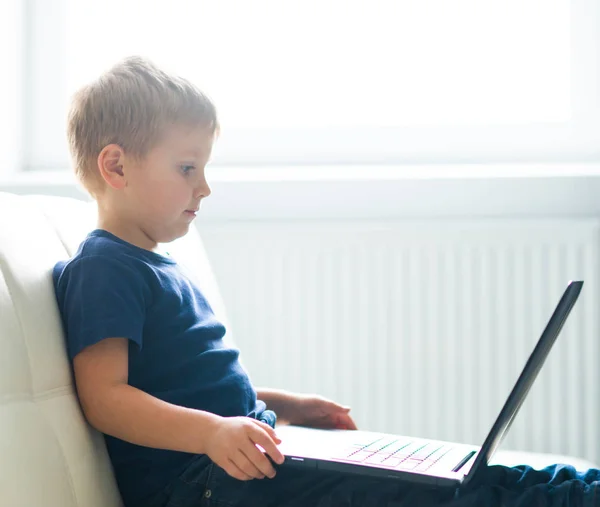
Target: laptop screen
<point>528,375</point>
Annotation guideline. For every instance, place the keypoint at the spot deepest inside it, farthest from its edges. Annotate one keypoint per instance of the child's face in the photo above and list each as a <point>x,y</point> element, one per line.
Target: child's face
<point>165,188</point>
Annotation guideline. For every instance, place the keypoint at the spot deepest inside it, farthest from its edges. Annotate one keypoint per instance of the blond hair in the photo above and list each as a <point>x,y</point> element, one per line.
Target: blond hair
<point>130,105</point>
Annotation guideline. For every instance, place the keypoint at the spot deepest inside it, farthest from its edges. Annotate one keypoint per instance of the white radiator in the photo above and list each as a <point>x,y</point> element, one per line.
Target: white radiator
<point>421,327</point>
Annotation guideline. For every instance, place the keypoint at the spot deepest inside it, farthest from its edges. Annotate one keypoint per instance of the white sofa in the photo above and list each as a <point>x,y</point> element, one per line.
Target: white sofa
<point>49,456</point>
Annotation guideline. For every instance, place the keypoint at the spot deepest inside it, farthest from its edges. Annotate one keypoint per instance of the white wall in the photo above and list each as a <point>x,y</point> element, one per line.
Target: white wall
<point>270,201</point>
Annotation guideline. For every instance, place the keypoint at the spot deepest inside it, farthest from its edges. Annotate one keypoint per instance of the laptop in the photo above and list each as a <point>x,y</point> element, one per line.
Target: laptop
<point>418,460</point>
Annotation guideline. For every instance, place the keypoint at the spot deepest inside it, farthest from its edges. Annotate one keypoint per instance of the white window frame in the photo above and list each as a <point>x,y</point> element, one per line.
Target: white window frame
<point>11,91</point>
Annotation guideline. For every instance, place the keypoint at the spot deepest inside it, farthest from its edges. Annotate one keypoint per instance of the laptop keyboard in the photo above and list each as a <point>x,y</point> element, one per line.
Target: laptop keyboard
<point>398,454</point>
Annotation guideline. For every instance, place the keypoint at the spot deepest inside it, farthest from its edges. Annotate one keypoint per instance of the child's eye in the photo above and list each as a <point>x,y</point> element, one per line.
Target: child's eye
<point>186,169</point>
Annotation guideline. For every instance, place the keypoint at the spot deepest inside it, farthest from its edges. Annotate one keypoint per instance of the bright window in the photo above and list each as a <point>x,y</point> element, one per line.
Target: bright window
<point>341,81</point>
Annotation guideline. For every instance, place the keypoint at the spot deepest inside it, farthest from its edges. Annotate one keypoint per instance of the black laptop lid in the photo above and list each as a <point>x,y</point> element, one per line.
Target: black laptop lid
<point>528,375</point>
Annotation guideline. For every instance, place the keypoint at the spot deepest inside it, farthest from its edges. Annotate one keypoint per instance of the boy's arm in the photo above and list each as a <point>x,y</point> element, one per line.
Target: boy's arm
<point>120,410</point>
<point>114,407</point>
<point>277,400</point>
<point>306,409</point>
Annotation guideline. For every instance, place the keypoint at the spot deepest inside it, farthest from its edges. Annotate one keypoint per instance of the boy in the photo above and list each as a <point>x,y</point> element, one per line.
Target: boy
<point>181,418</point>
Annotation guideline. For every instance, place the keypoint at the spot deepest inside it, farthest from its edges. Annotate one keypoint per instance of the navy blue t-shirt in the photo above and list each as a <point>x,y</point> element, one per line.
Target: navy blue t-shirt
<point>111,288</point>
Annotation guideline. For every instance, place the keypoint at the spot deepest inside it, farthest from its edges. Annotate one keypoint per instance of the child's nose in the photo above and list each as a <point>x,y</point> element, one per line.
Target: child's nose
<point>203,189</point>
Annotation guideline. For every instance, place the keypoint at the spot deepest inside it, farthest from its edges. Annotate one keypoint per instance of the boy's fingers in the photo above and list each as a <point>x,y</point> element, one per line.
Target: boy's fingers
<point>342,408</point>
<point>347,422</point>
<point>263,439</point>
<point>248,465</point>
<point>259,460</point>
<point>268,429</point>
<point>235,472</point>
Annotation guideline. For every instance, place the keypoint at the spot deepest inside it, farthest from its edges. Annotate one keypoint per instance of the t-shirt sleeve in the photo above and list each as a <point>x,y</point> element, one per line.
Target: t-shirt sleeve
<point>100,298</point>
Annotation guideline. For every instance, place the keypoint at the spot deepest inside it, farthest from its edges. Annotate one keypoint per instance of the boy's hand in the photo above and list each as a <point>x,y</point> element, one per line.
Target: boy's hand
<point>232,446</point>
<point>317,412</point>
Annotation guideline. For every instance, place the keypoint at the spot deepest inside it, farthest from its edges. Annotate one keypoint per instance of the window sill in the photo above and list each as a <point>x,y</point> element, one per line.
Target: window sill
<point>361,192</point>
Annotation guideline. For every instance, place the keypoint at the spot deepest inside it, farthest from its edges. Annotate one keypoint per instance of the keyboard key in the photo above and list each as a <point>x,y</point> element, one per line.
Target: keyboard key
<point>409,464</point>
<point>406,450</point>
<point>437,454</point>
<point>392,462</point>
<point>426,452</point>
<point>416,450</point>
<point>382,445</point>
<point>424,466</point>
<point>440,455</point>
<point>344,453</point>
<point>398,446</point>
<point>367,443</point>
<point>359,456</point>
<point>377,458</point>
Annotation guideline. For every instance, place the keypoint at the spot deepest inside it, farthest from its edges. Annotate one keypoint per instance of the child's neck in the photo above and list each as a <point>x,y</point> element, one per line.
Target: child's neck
<point>128,232</point>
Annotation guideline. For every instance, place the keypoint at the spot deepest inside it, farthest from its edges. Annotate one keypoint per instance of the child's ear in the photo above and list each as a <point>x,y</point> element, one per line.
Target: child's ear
<point>110,165</point>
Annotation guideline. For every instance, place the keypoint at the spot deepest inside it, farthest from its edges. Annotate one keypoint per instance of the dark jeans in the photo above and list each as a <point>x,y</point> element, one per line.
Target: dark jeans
<point>204,484</point>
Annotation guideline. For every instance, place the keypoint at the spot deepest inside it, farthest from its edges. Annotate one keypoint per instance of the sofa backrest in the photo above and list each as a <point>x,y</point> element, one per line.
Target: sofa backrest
<point>49,455</point>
